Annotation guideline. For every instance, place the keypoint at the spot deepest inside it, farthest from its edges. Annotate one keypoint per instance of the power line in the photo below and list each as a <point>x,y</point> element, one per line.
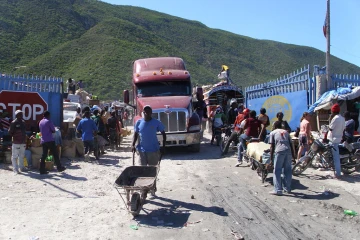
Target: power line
<point>345,51</point>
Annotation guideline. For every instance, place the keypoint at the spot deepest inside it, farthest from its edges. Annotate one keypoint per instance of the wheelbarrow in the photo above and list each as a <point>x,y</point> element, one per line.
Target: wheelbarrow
<point>258,154</point>
<point>137,181</point>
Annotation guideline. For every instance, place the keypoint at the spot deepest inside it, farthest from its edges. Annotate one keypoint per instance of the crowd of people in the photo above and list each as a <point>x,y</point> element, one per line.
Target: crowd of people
<point>248,125</point>
<point>97,127</point>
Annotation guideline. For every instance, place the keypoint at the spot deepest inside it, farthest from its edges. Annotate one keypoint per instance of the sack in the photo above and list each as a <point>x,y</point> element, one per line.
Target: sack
<point>79,146</point>
<point>265,158</point>
<point>36,150</point>
<point>35,142</point>
<point>68,149</point>
<point>35,160</point>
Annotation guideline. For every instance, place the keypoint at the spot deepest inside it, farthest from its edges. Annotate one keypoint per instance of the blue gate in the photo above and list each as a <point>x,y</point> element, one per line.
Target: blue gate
<point>290,94</point>
<point>49,88</point>
<point>343,80</point>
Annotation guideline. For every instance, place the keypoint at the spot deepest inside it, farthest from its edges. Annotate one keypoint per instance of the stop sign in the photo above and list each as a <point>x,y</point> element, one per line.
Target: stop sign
<point>31,103</point>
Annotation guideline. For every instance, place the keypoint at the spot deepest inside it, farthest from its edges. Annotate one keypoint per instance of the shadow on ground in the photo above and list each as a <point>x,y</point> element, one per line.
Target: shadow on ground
<point>173,213</point>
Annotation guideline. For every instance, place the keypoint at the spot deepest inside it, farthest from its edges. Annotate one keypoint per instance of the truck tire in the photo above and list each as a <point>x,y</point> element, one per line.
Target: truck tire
<point>195,147</point>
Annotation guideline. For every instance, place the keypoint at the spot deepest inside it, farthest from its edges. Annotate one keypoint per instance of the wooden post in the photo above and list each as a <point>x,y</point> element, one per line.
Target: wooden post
<point>328,76</point>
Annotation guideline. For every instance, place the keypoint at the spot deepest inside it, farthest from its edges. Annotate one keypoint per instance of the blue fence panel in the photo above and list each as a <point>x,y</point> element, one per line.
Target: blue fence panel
<point>291,104</point>
<point>49,88</point>
<point>342,80</point>
<point>290,94</point>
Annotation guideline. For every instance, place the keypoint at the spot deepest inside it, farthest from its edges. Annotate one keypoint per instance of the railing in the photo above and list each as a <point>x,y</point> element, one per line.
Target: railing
<point>342,80</point>
<point>295,81</point>
<point>31,83</point>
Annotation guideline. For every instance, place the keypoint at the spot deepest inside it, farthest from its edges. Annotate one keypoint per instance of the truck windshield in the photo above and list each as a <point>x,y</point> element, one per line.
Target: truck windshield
<point>165,88</point>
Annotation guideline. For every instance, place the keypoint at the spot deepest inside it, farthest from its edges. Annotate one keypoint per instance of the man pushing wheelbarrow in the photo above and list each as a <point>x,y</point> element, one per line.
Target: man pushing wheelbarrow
<point>143,178</point>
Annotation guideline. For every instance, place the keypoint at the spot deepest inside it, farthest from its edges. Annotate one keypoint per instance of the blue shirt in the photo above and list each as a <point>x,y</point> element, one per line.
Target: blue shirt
<point>147,130</point>
<point>87,126</point>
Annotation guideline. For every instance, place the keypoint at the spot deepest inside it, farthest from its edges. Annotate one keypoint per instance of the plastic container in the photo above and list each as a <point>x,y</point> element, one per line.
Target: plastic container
<point>350,212</point>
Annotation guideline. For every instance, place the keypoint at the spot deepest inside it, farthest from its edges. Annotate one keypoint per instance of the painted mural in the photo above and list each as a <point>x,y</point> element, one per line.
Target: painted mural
<point>291,104</point>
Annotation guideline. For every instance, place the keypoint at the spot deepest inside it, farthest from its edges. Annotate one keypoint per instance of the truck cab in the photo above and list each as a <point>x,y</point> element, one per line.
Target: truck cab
<point>165,85</point>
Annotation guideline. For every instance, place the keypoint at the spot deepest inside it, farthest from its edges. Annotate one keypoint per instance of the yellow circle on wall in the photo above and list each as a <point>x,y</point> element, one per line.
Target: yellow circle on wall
<point>276,104</point>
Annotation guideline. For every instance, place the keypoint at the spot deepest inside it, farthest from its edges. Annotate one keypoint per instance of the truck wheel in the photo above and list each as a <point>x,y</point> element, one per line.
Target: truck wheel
<point>195,147</point>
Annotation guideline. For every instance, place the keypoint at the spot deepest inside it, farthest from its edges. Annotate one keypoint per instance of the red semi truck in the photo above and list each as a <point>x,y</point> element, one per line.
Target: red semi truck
<point>165,85</point>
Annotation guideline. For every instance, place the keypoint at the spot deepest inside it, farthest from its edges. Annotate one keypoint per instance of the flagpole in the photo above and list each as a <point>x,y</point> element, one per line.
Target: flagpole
<point>328,76</point>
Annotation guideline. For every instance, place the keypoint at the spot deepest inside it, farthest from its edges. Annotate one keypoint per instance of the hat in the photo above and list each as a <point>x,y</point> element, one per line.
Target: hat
<point>246,111</point>
<point>17,112</point>
<point>335,108</point>
<point>146,106</point>
<point>233,100</point>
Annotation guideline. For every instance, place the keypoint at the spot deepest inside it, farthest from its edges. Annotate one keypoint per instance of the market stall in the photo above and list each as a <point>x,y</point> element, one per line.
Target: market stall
<point>347,97</point>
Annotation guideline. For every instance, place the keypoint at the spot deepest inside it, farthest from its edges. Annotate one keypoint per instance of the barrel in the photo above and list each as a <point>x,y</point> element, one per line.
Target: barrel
<point>126,96</point>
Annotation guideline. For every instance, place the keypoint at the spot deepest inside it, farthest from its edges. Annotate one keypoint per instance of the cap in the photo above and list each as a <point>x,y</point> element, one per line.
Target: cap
<point>147,106</point>
<point>233,100</point>
<point>17,112</point>
<point>335,108</point>
<point>246,111</point>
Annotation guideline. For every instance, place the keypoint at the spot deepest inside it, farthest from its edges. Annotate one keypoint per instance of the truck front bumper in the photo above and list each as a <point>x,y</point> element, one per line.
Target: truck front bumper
<point>181,139</point>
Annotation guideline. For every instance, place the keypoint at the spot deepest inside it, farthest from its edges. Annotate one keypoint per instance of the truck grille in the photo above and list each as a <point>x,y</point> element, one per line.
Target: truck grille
<point>174,121</point>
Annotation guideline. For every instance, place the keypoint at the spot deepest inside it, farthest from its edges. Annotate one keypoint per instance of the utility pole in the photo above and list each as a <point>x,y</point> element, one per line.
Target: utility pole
<point>328,76</point>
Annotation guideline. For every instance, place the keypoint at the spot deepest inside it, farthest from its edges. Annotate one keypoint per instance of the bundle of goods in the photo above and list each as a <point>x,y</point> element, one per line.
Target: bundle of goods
<point>68,149</point>
<point>259,151</point>
<point>49,163</point>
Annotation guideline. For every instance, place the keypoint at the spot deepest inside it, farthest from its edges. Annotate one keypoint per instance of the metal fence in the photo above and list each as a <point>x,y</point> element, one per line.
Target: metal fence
<point>31,83</point>
<point>295,81</point>
<point>50,90</point>
<point>343,80</point>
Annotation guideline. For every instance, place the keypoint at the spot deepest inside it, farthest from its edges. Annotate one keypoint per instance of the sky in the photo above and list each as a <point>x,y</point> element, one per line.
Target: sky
<point>296,22</point>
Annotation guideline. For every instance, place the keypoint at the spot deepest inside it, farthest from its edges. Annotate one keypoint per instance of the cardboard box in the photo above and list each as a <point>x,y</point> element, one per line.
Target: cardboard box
<point>49,166</point>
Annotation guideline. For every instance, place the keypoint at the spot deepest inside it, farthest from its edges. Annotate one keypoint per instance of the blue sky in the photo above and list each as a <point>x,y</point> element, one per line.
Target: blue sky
<point>289,21</point>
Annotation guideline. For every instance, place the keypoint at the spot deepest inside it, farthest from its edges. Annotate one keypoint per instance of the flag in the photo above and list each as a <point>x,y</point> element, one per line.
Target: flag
<point>325,26</point>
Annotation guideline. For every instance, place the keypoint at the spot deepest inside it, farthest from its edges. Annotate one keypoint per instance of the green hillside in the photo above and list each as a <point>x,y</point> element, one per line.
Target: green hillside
<point>97,42</point>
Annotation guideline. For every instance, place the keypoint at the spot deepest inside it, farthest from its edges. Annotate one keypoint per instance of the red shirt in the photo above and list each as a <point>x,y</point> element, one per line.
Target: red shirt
<point>240,117</point>
<point>252,127</point>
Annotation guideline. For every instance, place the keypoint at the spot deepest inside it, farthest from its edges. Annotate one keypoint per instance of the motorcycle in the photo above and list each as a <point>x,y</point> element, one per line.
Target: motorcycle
<point>225,136</point>
<point>218,134</point>
<point>321,150</point>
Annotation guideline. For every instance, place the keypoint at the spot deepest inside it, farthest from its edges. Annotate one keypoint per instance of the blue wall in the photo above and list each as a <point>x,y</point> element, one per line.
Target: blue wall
<point>49,88</point>
<point>291,104</point>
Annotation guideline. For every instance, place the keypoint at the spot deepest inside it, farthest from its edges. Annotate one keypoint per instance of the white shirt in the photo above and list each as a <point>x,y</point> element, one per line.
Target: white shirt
<point>337,125</point>
<point>242,124</point>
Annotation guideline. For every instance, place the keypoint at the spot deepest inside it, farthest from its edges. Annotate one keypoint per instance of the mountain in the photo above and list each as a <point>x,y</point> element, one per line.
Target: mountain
<point>97,42</point>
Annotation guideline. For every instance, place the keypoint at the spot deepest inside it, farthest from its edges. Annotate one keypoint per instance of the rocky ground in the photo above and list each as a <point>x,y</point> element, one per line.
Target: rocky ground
<point>200,196</point>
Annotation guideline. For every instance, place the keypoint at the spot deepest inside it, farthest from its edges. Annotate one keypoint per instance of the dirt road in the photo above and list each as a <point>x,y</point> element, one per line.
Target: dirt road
<point>200,196</point>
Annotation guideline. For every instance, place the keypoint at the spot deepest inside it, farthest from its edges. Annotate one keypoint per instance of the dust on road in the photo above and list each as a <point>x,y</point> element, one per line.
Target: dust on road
<point>200,196</point>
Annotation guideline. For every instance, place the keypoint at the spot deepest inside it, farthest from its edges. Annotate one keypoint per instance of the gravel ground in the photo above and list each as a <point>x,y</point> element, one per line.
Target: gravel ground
<point>200,196</point>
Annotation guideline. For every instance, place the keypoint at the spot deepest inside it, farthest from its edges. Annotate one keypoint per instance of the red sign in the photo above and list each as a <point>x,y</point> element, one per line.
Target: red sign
<point>31,103</point>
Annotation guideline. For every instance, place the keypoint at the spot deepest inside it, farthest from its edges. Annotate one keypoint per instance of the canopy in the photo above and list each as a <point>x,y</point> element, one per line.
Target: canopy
<point>326,100</point>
